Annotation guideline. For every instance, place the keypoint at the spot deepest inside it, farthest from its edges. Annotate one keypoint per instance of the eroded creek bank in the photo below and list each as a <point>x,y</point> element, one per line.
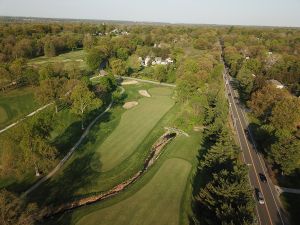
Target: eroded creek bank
<point>155,152</point>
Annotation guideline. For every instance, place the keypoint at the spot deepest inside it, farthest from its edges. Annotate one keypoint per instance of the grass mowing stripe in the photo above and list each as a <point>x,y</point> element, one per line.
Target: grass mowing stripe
<point>134,126</point>
<point>158,202</point>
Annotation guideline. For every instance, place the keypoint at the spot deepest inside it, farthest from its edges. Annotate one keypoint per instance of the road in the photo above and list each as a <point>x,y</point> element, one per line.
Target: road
<point>270,212</point>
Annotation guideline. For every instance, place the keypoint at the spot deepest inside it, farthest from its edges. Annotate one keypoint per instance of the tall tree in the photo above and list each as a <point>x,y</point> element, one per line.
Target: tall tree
<point>37,153</point>
<point>83,101</point>
<point>118,67</point>
<point>51,90</point>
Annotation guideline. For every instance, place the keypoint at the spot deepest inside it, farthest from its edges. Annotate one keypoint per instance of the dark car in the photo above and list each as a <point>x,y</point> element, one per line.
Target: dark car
<point>259,196</point>
<point>262,177</point>
<point>246,132</point>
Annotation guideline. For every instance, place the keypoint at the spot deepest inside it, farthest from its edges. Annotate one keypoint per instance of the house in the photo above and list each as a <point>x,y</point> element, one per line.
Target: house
<point>247,57</point>
<point>276,83</point>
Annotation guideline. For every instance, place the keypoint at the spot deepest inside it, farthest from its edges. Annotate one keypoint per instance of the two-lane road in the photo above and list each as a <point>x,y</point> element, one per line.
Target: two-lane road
<point>269,212</point>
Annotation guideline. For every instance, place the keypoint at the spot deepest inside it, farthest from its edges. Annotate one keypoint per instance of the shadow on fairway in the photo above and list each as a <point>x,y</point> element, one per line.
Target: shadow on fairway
<point>75,175</point>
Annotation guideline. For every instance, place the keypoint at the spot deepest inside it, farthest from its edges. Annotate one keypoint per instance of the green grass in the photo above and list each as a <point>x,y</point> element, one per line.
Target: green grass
<point>134,126</point>
<point>77,56</point>
<point>16,104</point>
<point>158,202</point>
<point>291,203</point>
<point>77,178</point>
<point>183,150</point>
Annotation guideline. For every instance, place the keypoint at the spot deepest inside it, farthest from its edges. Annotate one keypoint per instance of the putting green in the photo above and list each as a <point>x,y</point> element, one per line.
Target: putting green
<point>134,126</point>
<point>158,202</point>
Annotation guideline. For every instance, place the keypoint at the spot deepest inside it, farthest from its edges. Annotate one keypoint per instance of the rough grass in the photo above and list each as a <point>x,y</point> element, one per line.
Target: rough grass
<point>134,126</point>
<point>16,104</point>
<point>158,202</point>
<point>77,57</point>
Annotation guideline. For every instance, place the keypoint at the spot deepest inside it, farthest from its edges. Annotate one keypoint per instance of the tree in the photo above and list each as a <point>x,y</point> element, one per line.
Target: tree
<point>228,197</point>
<point>246,80</point>
<point>263,100</point>
<point>286,153</point>
<point>49,49</point>
<point>118,67</point>
<point>83,101</point>
<point>51,90</point>
<point>17,68</point>
<point>23,49</point>
<point>88,41</point>
<point>95,58</point>
<point>14,211</point>
<point>122,53</point>
<point>37,153</point>
<point>160,73</point>
<point>286,114</point>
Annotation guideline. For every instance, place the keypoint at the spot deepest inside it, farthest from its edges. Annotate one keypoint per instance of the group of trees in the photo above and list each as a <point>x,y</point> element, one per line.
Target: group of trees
<point>254,57</point>
<point>272,53</point>
<point>225,196</point>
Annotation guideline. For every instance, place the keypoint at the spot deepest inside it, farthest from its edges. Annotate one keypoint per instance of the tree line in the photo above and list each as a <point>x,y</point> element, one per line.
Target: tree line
<point>255,59</point>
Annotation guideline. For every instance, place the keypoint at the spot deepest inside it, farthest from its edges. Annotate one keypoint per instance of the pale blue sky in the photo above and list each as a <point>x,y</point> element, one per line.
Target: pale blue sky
<point>250,12</point>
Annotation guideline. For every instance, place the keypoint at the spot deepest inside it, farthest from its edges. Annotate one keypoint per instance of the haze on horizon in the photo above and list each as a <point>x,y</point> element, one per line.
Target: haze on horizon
<point>233,12</point>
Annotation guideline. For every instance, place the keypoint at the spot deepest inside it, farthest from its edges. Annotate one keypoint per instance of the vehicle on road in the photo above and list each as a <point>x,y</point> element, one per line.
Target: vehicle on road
<point>262,177</point>
<point>246,132</point>
<point>259,196</point>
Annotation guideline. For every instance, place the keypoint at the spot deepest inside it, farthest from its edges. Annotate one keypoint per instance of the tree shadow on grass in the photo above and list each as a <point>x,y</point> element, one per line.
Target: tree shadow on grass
<point>76,175</point>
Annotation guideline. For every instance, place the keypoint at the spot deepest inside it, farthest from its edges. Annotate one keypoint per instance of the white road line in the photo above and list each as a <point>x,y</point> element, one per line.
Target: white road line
<point>232,97</point>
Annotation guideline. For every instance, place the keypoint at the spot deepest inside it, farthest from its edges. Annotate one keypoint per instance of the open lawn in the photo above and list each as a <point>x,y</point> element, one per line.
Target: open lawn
<point>134,126</point>
<point>77,57</point>
<point>158,202</point>
<point>77,178</point>
<point>15,104</point>
<point>162,196</point>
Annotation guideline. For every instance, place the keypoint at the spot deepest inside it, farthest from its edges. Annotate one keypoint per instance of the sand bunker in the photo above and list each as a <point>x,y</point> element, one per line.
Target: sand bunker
<point>129,105</point>
<point>129,82</point>
<point>144,93</point>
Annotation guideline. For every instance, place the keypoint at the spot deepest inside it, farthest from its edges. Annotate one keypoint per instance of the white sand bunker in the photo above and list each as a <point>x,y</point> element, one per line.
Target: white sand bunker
<point>129,82</point>
<point>144,93</point>
<point>129,105</point>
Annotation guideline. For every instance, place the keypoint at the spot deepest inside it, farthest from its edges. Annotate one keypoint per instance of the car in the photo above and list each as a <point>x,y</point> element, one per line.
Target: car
<point>246,132</point>
<point>259,196</point>
<point>229,94</point>
<point>262,177</point>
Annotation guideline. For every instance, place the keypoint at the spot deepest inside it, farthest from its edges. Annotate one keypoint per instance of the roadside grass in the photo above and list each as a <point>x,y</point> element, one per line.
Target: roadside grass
<point>15,104</point>
<point>77,179</point>
<point>158,202</point>
<point>291,203</point>
<point>77,56</point>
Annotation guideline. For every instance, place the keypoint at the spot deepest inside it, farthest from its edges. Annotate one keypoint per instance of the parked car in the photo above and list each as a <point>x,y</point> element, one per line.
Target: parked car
<point>259,196</point>
<point>262,177</point>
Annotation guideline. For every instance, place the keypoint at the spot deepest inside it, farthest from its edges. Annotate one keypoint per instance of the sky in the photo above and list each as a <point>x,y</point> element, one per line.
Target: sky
<point>231,12</point>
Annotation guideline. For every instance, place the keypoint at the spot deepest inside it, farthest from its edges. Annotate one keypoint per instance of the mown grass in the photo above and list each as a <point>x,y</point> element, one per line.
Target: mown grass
<point>134,126</point>
<point>158,202</point>
<point>183,148</point>
<point>77,178</point>
<point>16,104</point>
<point>77,57</point>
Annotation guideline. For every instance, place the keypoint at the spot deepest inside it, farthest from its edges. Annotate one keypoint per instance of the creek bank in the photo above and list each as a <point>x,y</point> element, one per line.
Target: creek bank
<point>155,152</point>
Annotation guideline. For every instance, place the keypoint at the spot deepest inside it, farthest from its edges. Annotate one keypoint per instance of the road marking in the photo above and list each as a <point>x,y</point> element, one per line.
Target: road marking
<point>254,145</point>
<point>250,155</point>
